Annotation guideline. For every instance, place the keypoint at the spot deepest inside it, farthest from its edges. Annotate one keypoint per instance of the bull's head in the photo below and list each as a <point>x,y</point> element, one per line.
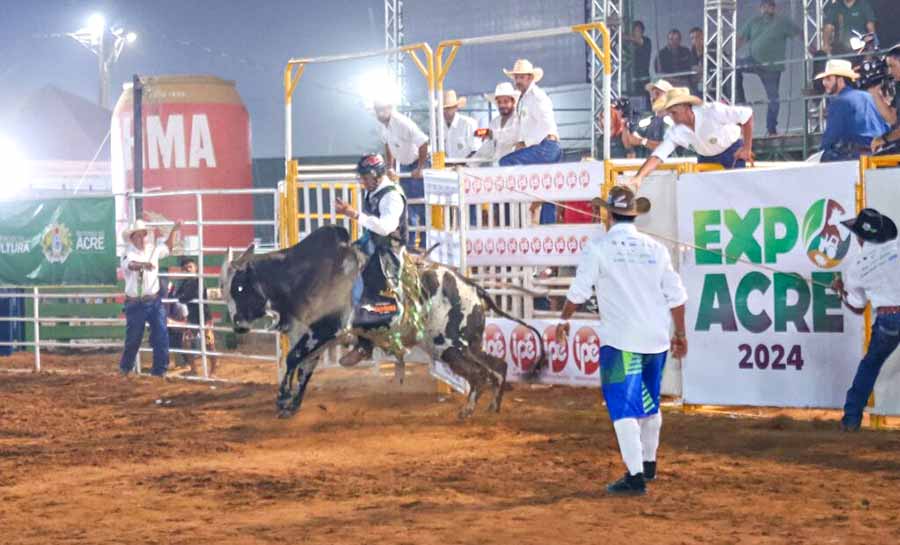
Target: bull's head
<point>242,291</point>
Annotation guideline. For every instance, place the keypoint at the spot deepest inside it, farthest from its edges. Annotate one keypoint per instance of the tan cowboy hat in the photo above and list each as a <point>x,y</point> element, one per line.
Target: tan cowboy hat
<point>524,66</point>
<point>504,89</point>
<point>451,101</point>
<point>679,95</point>
<point>660,84</point>
<point>135,227</point>
<point>622,201</point>
<point>838,67</point>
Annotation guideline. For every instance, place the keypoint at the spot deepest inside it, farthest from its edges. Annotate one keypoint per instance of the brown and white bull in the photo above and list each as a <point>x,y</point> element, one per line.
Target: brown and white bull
<point>306,290</point>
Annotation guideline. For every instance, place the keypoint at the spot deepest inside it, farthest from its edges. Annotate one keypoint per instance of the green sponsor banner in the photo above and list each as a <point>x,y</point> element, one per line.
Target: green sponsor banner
<point>58,242</point>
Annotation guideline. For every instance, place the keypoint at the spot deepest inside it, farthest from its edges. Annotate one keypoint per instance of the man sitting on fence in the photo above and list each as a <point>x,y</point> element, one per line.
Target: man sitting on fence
<point>852,120</point>
<point>143,298</point>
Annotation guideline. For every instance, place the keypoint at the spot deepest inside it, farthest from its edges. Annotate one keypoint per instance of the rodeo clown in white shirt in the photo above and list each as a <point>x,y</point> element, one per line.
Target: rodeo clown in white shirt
<point>639,297</point>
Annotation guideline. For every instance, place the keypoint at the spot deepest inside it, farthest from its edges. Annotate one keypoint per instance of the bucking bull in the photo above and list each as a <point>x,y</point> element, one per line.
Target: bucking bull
<point>306,291</point>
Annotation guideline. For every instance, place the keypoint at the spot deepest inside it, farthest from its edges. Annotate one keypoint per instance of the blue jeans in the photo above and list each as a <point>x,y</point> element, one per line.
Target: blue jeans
<point>726,158</point>
<point>136,315</point>
<point>548,151</point>
<point>414,188</point>
<point>771,81</point>
<point>885,338</point>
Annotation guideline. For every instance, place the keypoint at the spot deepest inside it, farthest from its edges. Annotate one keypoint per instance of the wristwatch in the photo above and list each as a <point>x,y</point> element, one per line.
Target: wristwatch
<point>644,142</point>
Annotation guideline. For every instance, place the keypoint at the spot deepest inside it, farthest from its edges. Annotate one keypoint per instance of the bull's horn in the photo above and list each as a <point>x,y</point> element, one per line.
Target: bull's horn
<point>248,253</point>
<point>230,257</point>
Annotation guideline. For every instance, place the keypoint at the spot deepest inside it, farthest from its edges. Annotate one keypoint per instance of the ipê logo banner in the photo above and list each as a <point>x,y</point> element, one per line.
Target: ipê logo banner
<point>524,347</point>
<point>764,325</point>
<point>539,245</point>
<point>564,181</point>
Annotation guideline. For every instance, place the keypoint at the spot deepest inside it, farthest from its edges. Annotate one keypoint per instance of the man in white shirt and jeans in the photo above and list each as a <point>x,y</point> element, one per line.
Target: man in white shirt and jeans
<point>404,141</point>
<point>143,299</point>
<point>639,296</point>
<point>503,131</point>
<point>459,134</point>
<point>872,276</point>
<point>538,134</point>
<point>718,133</point>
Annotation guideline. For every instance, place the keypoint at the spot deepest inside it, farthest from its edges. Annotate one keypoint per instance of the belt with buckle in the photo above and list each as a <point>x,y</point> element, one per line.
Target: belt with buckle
<point>888,310</point>
<point>142,299</point>
<point>552,137</point>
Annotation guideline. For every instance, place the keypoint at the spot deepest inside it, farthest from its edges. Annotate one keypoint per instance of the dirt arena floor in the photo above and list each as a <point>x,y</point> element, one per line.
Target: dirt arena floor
<point>88,457</point>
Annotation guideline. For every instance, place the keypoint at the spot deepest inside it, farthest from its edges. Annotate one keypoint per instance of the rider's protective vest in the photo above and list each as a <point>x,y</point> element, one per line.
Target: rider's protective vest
<point>398,238</point>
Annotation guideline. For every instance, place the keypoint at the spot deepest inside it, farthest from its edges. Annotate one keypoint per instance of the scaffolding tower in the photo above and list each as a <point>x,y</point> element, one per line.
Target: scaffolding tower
<point>719,50</point>
<point>813,26</point>
<point>394,40</point>
<point>608,12</point>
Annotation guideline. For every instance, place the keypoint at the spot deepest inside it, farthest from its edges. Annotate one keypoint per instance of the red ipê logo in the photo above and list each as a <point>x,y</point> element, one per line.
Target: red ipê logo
<point>522,182</point>
<point>479,247</point>
<point>559,181</point>
<point>489,184</point>
<point>536,245</point>
<point>572,244</point>
<point>510,182</point>
<point>489,246</point>
<point>572,179</point>
<point>476,185</point>
<point>494,341</point>
<point>585,179</point>
<point>468,246</point>
<point>535,182</point>
<point>548,245</point>
<point>467,184</point>
<point>560,245</point>
<point>523,347</point>
<point>557,349</point>
<point>586,350</point>
<point>547,181</point>
<point>523,245</point>
<point>583,242</point>
<point>513,246</point>
<point>501,246</point>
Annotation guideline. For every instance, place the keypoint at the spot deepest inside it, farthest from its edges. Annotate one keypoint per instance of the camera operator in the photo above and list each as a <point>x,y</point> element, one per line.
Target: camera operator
<point>649,130</point>
<point>887,91</point>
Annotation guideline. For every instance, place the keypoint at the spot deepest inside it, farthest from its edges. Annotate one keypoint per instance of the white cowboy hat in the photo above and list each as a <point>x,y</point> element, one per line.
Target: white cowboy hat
<point>660,84</point>
<point>451,101</point>
<point>524,66</point>
<point>135,227</point>
<point>676,96</point>
<point>838,67</point>
<point>504,89</point>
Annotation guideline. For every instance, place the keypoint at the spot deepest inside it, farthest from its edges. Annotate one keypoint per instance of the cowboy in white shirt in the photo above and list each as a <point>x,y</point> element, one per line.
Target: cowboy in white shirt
<point>872,276</point>
<point>538,134</point>
<point>459,136</point>
<point>503,131</point>
<point>718,133</point>
<point>143,299</point>
<point>404,141</point>
<point>639,296</point>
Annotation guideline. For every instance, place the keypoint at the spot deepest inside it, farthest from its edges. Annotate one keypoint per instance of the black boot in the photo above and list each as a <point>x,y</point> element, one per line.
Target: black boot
<point>629,485</point>
<point>649,471</point>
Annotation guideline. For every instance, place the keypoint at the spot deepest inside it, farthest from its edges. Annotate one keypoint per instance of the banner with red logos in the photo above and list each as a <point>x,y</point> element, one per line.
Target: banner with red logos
<point>574,361</point>
<point>551,245</point>
<point>560,181</point>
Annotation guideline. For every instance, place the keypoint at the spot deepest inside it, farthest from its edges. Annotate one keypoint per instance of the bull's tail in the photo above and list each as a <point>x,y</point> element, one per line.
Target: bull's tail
<point>536,370</point>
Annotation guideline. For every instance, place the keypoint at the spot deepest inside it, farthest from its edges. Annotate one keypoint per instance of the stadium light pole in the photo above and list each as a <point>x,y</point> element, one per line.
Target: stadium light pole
<point>107,42</point>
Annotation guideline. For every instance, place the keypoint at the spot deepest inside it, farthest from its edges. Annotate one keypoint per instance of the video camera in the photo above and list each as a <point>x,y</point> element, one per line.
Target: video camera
<point>873,72</point>
<point>623,104</point>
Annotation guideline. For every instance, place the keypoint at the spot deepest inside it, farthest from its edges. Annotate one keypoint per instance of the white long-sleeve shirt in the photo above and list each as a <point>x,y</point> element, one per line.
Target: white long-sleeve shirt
<point>536,117</point>
<point>716,128</point>
<point>459,137</point>
<point>636,288</point>
<point>502,141</point>
<point>403,137</point>
<point>390,209</point>
<point>143,283</point>
<point>873,275</point>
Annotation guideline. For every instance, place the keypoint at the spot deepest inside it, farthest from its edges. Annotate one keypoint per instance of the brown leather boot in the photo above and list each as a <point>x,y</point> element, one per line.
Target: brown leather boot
<point>355,356</point>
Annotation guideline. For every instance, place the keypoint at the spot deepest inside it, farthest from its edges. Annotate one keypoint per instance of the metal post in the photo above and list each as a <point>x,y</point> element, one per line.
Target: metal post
<point>812,41</point>
<point>393,38</point>
<point>104,72</point>
<point>201,286</point>
<point>719,49</point>
<point>37,329</point>
<point>138,127</point>
<point>603,91</point>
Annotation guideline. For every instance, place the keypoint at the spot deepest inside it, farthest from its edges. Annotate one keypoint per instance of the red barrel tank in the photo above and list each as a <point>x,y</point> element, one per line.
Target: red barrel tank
<point>196,134</point>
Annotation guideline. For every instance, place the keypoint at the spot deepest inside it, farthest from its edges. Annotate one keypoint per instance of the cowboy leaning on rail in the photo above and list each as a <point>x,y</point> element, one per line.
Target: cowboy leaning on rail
<point>143,300</point>
<point>383,219</point>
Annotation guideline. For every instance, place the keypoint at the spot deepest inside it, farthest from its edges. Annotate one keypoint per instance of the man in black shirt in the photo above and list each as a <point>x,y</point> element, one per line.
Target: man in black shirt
<point>892,138</point>
<point>188,290</point>
<point>639,48</point>
<point>675,59</point>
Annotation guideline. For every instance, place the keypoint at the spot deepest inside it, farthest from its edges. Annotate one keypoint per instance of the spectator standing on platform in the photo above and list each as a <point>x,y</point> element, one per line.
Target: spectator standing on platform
<point>538,133</point>
<point>846,19</point>
<point>503,131</point>
<point>408,145</point>
<point>459,131</point>
<point>718,133</point>
<point>767,34</point>
<point>675,59</point>
<point>696,36</point>
<point>640,49</point>
<point>852,120</point>
<point>143,297</point>
<point>639,298</point>
<point>871,277</point>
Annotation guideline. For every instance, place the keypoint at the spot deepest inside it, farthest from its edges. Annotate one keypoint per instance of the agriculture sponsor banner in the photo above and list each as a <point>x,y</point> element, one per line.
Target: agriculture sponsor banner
<point>559,182</point>
<point>882,194</point>
<point>544,245</point>
<point>769,332</point>
<point>58,241</point>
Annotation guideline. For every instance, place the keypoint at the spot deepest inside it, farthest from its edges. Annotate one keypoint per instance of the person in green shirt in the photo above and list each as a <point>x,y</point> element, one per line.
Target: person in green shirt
<point>767,34</point>
<point>846,17</point>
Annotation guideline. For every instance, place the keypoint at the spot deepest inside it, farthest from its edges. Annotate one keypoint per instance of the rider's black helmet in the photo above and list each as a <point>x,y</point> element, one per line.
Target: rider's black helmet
<point>371,163</point>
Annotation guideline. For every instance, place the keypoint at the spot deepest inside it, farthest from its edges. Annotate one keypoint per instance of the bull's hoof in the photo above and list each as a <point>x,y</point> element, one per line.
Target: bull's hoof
<point>285,413</point>
<point>494,407</point>
<point>465,413</point>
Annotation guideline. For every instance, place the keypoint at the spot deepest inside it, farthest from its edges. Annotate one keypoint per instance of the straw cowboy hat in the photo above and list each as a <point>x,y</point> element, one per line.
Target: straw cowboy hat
<point>136,227</point>
<point>838,67</point>
<point>451,101</point>
<point>660,84</point>
<point>621,201</point>
<point>676,96</point>
<point>504,89</point>
<point>524,66</point>
<point>872,226</point>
